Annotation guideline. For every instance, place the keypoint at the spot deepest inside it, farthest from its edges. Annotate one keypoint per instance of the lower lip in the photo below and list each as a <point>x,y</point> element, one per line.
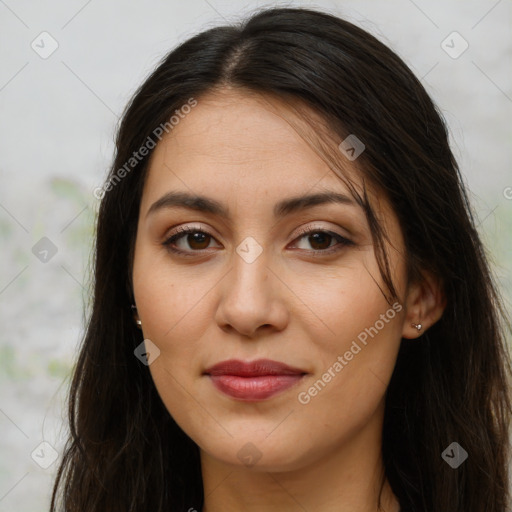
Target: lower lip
<point>254,388</point>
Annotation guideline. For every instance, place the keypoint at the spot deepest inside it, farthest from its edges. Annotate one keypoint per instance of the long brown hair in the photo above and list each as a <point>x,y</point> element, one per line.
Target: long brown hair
<point>126,453</point>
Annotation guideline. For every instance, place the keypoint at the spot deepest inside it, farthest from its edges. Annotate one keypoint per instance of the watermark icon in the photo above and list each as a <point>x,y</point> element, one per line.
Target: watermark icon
<point>351,147</point>
<point>44,455</point>
<point>507,193</point>
<point>304,397</point>
<point>147,352</point>
<point>144,150</point>
<point>454,45</point>
<point>249,249</point>
<point>249,454</point>
<point>44,45</point>
<point>44,250</point>
<point>454,455</point>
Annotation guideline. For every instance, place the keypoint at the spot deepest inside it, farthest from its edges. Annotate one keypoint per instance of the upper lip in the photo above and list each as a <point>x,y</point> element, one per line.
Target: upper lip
<point>256,368</point>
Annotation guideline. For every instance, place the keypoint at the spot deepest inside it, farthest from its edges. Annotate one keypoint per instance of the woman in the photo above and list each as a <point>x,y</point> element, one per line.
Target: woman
<point>292,307</point>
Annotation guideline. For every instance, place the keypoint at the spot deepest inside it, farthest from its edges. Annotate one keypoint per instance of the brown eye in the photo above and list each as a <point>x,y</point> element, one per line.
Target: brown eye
<point>197,240</point>
<point>320,241</point>
<point>188,240</point>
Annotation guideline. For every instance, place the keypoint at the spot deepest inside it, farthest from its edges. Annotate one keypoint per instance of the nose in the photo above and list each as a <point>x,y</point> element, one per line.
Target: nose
<point>253,299</point>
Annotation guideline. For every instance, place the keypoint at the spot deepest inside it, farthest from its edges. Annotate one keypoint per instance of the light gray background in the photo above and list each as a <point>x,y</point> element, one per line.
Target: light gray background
<point>58,117</point>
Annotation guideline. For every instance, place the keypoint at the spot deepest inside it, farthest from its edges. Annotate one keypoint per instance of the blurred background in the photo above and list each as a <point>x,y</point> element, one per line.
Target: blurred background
<point>68,69</point>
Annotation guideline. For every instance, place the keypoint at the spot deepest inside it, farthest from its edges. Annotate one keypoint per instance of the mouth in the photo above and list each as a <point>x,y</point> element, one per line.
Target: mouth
<point>253,381</point>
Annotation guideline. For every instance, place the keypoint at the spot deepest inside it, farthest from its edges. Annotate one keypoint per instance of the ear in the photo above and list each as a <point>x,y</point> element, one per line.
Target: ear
<point>424,304</point>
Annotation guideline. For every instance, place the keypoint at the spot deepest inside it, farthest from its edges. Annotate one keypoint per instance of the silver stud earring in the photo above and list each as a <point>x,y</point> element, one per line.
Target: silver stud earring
<point>136,318</point>
<point>417,326</point>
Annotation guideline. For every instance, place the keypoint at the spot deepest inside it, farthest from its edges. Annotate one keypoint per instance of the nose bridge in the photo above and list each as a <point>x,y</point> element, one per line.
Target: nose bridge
<point>248,298</point>
<point>250,269</point>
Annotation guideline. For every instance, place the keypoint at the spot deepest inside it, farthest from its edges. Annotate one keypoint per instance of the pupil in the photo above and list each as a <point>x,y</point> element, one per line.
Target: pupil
<point>196,238</point>
<point>317,238</point>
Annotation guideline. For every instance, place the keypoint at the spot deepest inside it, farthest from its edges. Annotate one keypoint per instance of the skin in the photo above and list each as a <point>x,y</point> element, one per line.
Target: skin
<point>287,305</point>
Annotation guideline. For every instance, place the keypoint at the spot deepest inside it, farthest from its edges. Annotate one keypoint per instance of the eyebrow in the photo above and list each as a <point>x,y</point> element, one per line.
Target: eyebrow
<point>209,205</point>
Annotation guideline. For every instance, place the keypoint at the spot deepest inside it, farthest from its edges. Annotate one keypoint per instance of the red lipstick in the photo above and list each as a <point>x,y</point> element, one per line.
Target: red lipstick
<point>255,380</point>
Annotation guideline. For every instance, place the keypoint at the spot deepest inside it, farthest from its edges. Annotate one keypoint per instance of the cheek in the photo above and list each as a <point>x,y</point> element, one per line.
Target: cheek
<point>355,345</point>
<point>342,302</point>
<point>348,390</point>
<point>169,296</point>
<point>174,315</point>
<point>174,318</point>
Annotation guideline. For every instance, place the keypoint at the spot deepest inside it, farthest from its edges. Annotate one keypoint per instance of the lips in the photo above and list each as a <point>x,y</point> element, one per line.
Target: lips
<point>255,380</point>
<point>256,368</point>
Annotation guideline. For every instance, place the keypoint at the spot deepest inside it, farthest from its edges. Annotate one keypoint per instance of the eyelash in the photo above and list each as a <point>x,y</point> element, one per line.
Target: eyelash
<point>342,241</point>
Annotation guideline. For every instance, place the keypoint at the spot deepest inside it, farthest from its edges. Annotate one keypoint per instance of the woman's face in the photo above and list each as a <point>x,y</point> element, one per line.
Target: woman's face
<point>256,286</point>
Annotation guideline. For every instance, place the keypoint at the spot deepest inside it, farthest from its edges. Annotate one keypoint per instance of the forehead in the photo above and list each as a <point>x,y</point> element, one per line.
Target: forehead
<point>235,139</point>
